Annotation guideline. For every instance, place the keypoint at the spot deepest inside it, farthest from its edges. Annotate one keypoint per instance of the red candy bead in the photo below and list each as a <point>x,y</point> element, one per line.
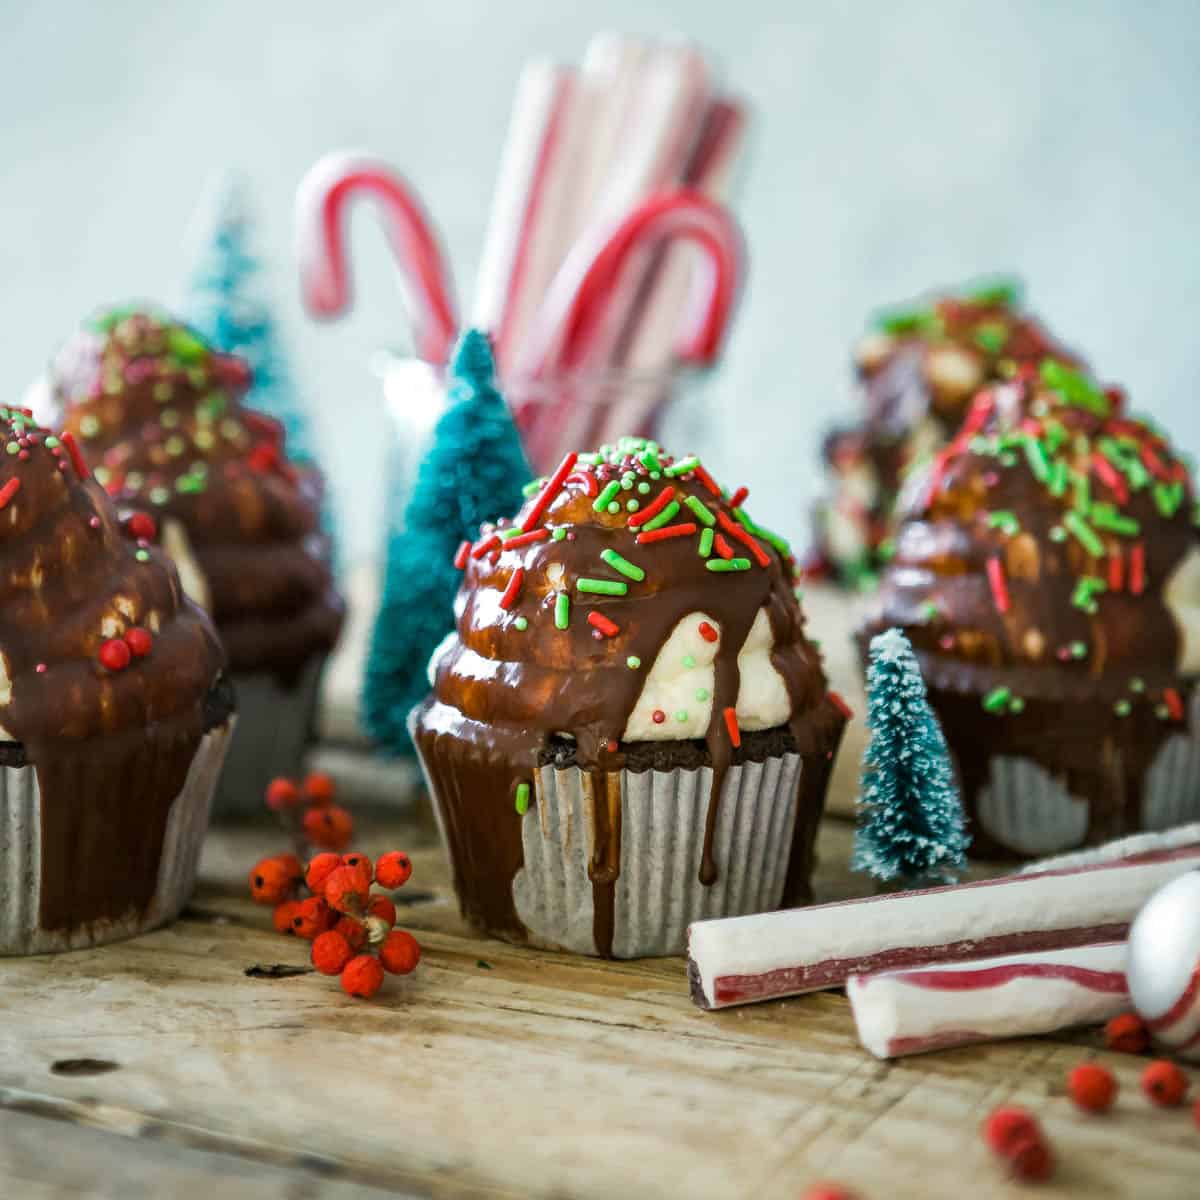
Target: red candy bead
<point>114,655</point>
<point>139,641</point>
<point>658,716</point>
<point>1092,1087</point>
<point>393,869</point>
<point>362,976</point>
<point>141,525</point>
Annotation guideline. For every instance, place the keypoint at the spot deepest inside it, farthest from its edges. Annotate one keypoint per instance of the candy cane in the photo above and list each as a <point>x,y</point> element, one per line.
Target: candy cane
<point>322,199</point>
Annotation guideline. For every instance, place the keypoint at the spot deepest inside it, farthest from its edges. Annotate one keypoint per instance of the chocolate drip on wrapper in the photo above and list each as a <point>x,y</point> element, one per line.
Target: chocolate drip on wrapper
<point>562,615</point>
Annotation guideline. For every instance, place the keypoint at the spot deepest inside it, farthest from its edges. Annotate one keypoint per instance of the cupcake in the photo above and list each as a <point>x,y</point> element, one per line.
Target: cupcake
<point>1045,572</point>
<point>917,370</point>
<point>628,730</point>
<point>114,713</point>
<point>160,414</point>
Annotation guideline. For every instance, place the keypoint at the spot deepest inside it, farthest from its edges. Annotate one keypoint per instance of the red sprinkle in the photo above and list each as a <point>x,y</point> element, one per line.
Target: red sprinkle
<point>706,479</point>
<point>739,497</point>
<point>525,539</point>
<point>552,488</point>
<point>1116,570</point>
<point>1154,464</point>
<point>722,547</point>
<point>77,459</point>
<point>603,624</point>
<point>666,531</point>
<point>707,632</point>
<point>141,525</point>
<point>999,584</point>
<point>652,509</point>
<point>836,700</point>
<point>731,724</point>
<point>485,544</point>
<point>1137,568</point>
<point>980,411</point>
<point>586,479</point>
<point>460,556</point>
<point>1107,475</point>
<point>9,490</point>
<point>743,536</point>
<point>658,716</point>
<point>513,590</point>
<point>1174,703</point>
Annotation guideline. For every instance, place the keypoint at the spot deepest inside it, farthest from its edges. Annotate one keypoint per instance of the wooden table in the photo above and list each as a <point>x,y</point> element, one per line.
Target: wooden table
<point>176,1065</point>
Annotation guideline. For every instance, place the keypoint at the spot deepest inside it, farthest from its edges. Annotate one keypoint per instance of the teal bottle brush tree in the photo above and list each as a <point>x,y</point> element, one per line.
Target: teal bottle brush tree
<point>474,471</point>
<point>911,827</point>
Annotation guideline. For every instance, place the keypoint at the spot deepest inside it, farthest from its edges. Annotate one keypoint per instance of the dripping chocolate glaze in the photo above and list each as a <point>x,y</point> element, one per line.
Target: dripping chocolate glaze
<point>504,697</point>
<point>1071,667</point>
<point>161,417</point>
<point>111,748</point>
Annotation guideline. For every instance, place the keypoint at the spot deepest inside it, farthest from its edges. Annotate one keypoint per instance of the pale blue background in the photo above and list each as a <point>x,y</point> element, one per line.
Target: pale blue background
<point>898,145</point>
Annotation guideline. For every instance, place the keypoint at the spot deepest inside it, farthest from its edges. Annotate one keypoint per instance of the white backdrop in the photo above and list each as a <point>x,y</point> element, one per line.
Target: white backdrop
<point>898,145</point>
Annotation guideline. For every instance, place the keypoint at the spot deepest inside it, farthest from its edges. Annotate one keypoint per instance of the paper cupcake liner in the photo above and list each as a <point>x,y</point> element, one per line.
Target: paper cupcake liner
<point>274,730</point>
<point>21,857</point>
<point>658,892</point>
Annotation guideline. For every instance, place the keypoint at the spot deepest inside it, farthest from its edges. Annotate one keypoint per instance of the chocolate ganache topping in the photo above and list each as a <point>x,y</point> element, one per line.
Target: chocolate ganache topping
<point>1036,556</point>
<point>107,677</point>
<point>631,602</point>
<point>161,415</point>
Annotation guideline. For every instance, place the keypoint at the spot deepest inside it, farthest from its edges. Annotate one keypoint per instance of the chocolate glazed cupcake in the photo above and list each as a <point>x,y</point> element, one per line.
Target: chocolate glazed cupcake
<point>629,730</point>
<point>1041,573</point>
<point>114,717</point>
<point>161,415</point>
<point>917,371</point>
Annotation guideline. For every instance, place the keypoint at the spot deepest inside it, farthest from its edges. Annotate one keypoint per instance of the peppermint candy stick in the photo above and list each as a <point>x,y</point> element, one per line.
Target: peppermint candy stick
<point>1018,995</point>
<point>739,960</point>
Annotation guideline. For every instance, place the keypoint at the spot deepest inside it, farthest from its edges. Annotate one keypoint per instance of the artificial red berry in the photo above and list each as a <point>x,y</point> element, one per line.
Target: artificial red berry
<point>319,870</point>
<point>281,794</point>
<point>331,952</point>
<point>273,879</point>
<point>399,952</point>
<point>1127,1034</point>
<point>140,641</point>
<point>1008,1124</point>
<point>353,931</point>
<point>1092,1087</point>
<point>360,862</point>
<point>383,908</point>
<point>330,828</point>
<point>345,889</point>
<point>284,915</point>
<point>393,869</point>
<point>141,525</point>
<point>312,916</point>
<point>319,788</point>
<point>829,1191</point>
<point>1164,1083</point>
<point>114,655</point>
<point>362,976</point>
<point>1030,1158</point>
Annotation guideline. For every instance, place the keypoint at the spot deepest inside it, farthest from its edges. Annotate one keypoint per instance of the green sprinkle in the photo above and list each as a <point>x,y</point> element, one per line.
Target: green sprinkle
<point>601,502</point>
<point>1122,708</point>
<point>681,715</point>
<point>184,345</point>
<point>1005,521</point>
<point>623,565</point>
<point>655,474</point>
<point>665,517</point>
<point>1073,387</point>
<point>614,506</point>
<point>700,509</point>
<point>159,495</point>
<point>1162,712</point>
<point>689,661</point>
<point>558,533</point>
<point>990,336</point>
<point>886,549</point>
<point>632,506</point>
<point>1078,649</point>
<point>1085,592</point>
<point>1168,497</point>
<point>633,662</point>
<point>562,610</point>
<point>142,555</point>
<point>706,541</point>
<point>1058,533</point>
<point>929,610</point>
<point>999,293</point>
<point>1035,454</point>
<point>649,460</point>
<point>728,564</point>
<point>51,442</point>
<point>599,587</point>
<point>901,321</point>
<point>521,623</point>
<point>89,425</point>
<point>1008,459</point>
<point>682,467</point>
<point>1082,493</point>
<point>512,532</point>
<point>643,488</point>
<point>701,694</point>
<point>626,483</point>
<point>1057,483</point>
<point>591,459</point>
<point>533,487</point>
<point>1105,516</point>
<point>1137,684</point>
<point>1085,534</point>
<point>13,448</point>
<point>1016,705</point>
<point>997,699</point>
<point>522,802</point>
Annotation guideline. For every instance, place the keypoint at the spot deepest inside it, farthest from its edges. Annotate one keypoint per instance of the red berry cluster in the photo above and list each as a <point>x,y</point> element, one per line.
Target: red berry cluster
<point>1016,1136</point>
<point>352,930</point>
<point>308,814</point>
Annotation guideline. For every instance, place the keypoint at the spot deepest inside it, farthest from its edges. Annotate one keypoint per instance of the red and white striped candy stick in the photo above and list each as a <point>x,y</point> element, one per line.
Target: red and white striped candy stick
<point>739,960</point>
<point>1018,995</point>
<point>322,202</point>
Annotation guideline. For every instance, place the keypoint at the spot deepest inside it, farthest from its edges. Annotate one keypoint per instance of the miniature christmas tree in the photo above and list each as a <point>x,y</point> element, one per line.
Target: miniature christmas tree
<point>225,303</point>
<point>474,471</point>
<point>911,826</point>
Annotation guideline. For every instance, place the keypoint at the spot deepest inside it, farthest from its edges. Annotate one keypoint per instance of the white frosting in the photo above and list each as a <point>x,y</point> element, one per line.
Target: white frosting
<point>175,543</point>
<point>680,683</point>
<point>1182,597</point>
<point>439,650</point>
